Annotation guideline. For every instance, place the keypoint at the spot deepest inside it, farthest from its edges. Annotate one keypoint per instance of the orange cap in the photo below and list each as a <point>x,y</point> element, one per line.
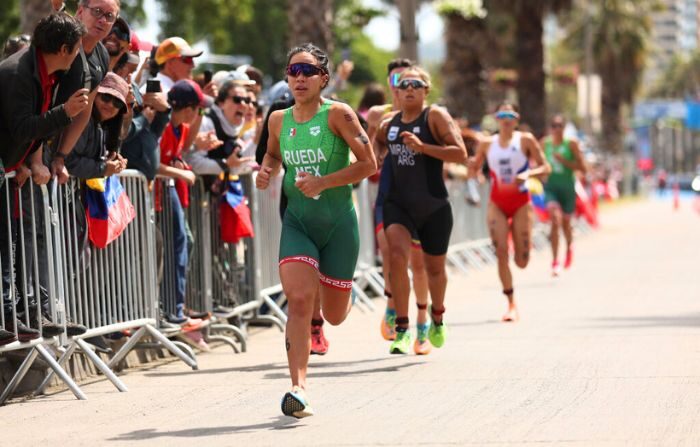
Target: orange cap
<point>173,47</point>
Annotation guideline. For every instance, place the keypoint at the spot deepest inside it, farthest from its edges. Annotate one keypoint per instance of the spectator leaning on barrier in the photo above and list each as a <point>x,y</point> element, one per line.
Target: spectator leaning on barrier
<point>117,41</point>
<point>87,71</point>
<point>140,147</point>
<point>218,147</point>
<point>90,158</point>
<point>186,99</point>
<point>26,118</point>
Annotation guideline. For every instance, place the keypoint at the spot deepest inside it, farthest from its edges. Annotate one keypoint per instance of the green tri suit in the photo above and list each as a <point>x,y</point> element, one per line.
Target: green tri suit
<point>560,184</point>
<point>320,231</point>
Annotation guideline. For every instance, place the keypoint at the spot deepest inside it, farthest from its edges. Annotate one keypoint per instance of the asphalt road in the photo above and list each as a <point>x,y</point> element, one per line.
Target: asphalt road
<point>607,354</point>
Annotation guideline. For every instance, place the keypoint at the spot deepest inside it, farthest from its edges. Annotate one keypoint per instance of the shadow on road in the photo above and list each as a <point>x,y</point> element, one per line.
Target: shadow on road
<point>280,366</point>
<point>686,320</point>
<point>278,423</point>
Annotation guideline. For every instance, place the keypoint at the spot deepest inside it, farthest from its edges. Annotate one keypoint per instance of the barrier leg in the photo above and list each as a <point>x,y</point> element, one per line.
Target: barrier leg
<point>102,366</point>
<point>375,282</point>
<point>270,319</point>
<point>19,375</point>
<point>172,347</point>
<point>60,372</point>
<point>240,336</point>
<point>128,346</point>
<point>275,309</point>
<point>453,259</point>
<point>185,348</point>
<point>61,361</point>
<point>362,297</point>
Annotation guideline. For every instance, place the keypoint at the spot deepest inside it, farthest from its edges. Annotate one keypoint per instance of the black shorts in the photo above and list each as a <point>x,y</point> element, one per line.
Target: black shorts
<point>433,231</point>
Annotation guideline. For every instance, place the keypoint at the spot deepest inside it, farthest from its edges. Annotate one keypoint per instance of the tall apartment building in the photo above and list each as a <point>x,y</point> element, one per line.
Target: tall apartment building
<point>674,32</point>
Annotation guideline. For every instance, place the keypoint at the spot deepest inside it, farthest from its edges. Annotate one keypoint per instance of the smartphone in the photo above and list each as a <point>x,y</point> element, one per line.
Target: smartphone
<point>207,76</point>
<point>345,54</point>
<point>153,86</point>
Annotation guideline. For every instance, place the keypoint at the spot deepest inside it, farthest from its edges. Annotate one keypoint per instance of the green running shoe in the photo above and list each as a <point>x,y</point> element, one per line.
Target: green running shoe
<point>402,344</point>
<point>437,334</point>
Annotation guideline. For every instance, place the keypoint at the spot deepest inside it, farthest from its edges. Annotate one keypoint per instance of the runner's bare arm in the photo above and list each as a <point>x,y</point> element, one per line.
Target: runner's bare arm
<point>272,162</point>
<point>477,161</point>
<point>443,127</point>
<point>374,119</point>
<point>379,141</point>
<point>579,163</point>
<point>343,122</point>
<point>534,152</point>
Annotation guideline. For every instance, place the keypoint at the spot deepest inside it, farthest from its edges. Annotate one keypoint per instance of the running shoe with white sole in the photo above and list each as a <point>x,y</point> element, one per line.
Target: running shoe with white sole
<point>422,346</point>
<point>296,404</point>
<point>388,326</point>
<point>437,332</point>
<point>402,344</point>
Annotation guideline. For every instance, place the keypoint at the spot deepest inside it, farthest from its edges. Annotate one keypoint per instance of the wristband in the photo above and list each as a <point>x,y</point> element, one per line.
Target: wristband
<point>59,155</point>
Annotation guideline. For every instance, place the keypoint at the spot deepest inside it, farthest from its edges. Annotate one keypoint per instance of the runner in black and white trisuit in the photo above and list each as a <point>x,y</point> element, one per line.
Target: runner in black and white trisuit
<point>509,154</point>
<point>419,138</point>
<point>420,278</point>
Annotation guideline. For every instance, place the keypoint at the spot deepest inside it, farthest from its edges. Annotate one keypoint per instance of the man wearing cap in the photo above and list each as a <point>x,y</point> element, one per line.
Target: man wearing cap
<point>175,59</point>
<point>117,41</point>
<point>88,70</point>
<point>90,158</point>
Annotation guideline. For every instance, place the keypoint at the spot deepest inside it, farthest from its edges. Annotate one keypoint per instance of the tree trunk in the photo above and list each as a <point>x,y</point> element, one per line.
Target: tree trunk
<point>310,21</point>
<point>463,68</point>
<point>408,47</point>
<point>530,60</point>
<point>611,116</point>
<point>31,11</point>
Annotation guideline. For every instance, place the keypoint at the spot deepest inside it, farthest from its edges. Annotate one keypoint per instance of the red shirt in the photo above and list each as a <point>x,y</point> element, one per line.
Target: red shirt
<point>171,147</point>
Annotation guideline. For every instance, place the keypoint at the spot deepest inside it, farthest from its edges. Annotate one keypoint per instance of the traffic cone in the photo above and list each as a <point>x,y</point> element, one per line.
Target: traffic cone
<point>676,196</point>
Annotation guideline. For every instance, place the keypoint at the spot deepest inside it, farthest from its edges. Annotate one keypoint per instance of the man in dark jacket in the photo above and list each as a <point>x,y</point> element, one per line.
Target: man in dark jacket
<point>26,120</point>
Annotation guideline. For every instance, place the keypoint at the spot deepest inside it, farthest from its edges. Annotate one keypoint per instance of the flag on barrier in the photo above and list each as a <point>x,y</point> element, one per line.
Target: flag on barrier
<point>234,214</point>
<point>109,211</point>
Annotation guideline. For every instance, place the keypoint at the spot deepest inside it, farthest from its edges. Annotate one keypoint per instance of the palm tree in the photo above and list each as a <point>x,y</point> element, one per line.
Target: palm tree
<point>31,11</point>
<point>621,29</point>
<point>466,40</point>
<point>529,55</point>
<point>311,21</point>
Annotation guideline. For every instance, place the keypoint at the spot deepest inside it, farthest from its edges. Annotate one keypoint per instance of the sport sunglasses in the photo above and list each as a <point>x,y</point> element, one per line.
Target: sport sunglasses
<point>507,115</point>
<point>307,70</point>
<point>240,99</point>
<point>414,83</point>
<point>394,79</point>
<point>106,97</point>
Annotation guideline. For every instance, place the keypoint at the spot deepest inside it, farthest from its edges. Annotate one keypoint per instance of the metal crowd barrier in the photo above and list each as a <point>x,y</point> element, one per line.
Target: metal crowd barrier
<point>112,289</point>
<point>25,222</point>
<point>216,282</point>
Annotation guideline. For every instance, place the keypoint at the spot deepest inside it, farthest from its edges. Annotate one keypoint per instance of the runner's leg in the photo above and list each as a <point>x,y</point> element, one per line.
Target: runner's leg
<point>300,285</point>
<point>522,234</point>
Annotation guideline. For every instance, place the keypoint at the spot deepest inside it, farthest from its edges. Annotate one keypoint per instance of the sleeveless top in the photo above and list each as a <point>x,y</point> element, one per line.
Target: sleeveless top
<point>417,184</point>
<point>312,147</point>
<point>560,175</point>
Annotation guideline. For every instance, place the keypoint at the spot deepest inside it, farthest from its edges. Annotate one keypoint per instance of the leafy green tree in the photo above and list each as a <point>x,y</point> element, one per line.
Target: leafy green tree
<point>620,30</point>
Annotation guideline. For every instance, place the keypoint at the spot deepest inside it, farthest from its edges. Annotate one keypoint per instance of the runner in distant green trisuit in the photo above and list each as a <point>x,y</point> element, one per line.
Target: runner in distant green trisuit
<point>565,157</point>
<point>320,241</point>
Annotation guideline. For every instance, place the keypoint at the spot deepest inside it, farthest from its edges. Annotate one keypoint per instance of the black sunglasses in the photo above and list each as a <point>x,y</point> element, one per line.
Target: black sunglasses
<point>106,97</point>
<point>414,83</point>
<point>556,125</point>
<point>307,70</point>
<point>240,99</point>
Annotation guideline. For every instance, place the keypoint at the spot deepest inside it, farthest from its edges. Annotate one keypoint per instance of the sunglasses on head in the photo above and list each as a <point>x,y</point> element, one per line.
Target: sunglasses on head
<point>120,33</point>
<point>99,13</point>
<point>394,79</point>
<point>240,99</point>
<point>507,115</point>
<point>413,83</point>
<point>22,38</point>
<point>106,97</point>
<point>307,70</point>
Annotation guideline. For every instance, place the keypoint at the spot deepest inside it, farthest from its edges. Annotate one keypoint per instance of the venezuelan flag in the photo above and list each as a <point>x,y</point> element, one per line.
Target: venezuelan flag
<point>108,211</point>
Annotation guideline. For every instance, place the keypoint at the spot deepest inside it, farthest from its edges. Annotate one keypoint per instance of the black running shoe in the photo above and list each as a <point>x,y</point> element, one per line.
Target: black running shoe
<point>295,404</point>
<point>6,337</point>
